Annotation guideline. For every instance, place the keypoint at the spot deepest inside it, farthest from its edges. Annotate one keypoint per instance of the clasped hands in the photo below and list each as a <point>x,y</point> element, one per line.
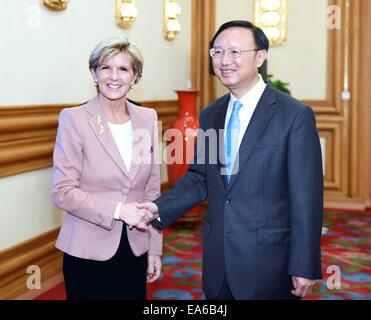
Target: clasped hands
<point>139,215</point>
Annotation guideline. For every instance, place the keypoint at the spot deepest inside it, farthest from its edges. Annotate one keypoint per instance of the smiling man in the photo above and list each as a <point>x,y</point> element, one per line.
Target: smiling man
<point>263,224</point>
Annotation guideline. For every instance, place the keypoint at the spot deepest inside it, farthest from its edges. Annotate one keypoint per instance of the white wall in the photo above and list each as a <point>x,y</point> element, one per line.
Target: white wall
<point>44,60</point>
<point>302,60</point>
<point>45,54</point>
<point>26,209</point>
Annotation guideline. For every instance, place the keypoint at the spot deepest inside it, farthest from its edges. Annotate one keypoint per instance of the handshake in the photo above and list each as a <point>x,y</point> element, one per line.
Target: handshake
<point>139,215</point>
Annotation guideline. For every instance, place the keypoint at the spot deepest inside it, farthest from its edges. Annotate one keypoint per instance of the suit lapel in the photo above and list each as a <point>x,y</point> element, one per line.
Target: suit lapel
<point>99,124</point>
<point>258,123</point>
<point>219,126</point>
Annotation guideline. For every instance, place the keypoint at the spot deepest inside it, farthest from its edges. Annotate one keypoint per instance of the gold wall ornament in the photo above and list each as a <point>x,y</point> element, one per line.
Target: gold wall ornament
<point>271,17</point>
<point>56,5</point>
<point>126,13</point>
<point>172,11</point>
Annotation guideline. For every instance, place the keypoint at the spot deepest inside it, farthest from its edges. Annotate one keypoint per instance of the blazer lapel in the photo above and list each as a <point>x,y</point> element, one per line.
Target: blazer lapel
<point>259,121</point>
<point>99,124</point>
<point>138,124</point>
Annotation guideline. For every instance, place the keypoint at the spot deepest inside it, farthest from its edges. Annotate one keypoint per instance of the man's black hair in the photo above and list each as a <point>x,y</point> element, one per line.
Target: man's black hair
<point>261,40</point>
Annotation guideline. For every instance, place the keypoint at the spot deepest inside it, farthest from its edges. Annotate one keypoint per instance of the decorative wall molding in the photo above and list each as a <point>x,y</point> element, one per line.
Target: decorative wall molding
<point>360,180</point>
<point>203,22</point>
<point>27,134</point>
<point>333,113</point>
<point>345,124</point>
<point>331,130</point>
<point>39,251</point>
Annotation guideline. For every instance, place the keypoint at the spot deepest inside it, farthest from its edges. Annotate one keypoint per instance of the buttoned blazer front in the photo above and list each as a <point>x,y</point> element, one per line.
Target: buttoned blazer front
<point>89,178</point>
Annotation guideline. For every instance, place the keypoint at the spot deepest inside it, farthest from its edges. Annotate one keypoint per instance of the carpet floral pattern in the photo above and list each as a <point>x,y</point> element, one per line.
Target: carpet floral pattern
<point>346,248</point>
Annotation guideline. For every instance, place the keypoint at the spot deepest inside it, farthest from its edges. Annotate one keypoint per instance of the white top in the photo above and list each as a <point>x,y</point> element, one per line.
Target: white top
<point>123,136</point>
<point>249,102</point>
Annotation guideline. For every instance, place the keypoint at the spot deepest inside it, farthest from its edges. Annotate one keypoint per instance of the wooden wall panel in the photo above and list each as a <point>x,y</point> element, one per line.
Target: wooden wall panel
<point>203,22</point>
<point>331,131</point>
<point>39,251</point>
<point>362,80</point>
<point>334,114</point>
<point>345,123</point>
<point>27,134</point>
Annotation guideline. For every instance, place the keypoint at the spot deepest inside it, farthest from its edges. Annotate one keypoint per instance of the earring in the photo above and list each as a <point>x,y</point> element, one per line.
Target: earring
<point>96,83</point>
<point>132,86</point>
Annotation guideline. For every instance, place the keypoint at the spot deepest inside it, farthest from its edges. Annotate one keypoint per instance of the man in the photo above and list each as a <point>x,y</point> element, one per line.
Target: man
<point>263,224</point>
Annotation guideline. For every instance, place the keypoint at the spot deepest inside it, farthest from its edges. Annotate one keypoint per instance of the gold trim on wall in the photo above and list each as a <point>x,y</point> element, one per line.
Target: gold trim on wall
<point>27,134</point>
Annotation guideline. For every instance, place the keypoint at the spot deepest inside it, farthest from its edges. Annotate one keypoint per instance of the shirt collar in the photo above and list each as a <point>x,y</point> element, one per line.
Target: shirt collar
<point>252,97</point>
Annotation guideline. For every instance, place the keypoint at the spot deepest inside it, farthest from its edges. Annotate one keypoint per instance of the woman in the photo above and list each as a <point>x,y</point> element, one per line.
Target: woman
<point>100,171</point>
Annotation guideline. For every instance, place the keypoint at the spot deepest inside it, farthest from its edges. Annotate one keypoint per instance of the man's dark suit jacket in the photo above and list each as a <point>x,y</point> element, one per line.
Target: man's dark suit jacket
<point>265,225</point>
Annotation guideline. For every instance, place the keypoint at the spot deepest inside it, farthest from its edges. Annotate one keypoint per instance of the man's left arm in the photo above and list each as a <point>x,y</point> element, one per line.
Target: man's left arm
<point>306,197</point>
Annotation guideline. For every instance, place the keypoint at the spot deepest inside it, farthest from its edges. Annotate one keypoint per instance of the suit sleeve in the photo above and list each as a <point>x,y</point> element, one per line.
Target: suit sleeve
<point>306,196</point>
<point>152,190</point>
<point>68,160</point>
<point>188,191</point>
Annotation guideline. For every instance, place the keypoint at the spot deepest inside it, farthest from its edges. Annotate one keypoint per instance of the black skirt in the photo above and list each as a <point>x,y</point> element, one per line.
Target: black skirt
<point>123,277</point>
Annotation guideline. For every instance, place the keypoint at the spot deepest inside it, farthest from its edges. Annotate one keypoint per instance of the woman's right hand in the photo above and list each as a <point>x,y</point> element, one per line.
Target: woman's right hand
<point>135,217</point>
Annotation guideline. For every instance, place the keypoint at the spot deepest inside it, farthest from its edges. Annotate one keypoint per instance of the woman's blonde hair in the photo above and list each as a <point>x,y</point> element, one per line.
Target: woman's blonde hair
<point>112,46</point>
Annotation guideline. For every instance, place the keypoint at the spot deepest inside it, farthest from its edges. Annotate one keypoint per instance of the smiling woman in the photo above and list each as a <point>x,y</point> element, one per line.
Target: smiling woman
<point>116,65</point>
<point>115,76</point>
<point>94,140</point>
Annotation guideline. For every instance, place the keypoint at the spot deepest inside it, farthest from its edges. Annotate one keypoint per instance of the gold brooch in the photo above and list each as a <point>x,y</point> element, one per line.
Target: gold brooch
<point>99,119</point>
<point>99,123</point>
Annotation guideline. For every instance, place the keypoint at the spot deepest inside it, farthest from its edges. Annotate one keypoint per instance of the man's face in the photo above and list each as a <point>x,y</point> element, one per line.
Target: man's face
<point>237,74</point>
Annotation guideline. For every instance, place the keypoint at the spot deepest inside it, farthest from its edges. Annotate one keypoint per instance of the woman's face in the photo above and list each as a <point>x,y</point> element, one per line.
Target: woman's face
<point>115,76</point>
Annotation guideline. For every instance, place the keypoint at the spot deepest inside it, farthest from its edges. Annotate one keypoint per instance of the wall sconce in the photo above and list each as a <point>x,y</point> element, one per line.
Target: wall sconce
<point>271,17</point>
<point>126,13</point>
<point>172,11</point>
<point>56,5</point>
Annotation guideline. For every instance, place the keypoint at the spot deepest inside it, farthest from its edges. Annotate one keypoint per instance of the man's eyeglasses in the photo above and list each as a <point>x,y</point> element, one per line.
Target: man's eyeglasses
<point>231,52</point>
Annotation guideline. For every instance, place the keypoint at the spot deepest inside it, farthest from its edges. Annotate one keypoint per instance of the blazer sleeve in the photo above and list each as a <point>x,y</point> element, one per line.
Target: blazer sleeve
<point>68,160</point>
<point>189,190</point>
<point>306,196</point>
<point>152,189</point>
